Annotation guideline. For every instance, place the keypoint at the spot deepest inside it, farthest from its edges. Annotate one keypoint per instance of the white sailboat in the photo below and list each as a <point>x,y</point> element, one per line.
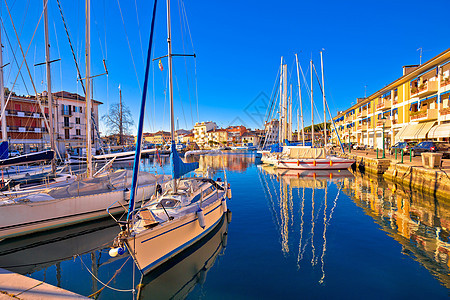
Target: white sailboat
<point>185,210</point>
<point>82,200</point>
<point>302,157</point>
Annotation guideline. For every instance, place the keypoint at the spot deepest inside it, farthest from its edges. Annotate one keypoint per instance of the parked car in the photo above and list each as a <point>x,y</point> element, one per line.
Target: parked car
<point>14,153</point>
<point>431,146</point>
<point>405,146</point>
<point>359,147</point>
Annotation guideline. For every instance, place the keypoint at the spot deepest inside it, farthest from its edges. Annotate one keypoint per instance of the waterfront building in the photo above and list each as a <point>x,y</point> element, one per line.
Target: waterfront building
<point>235,133</point>
<point>158,138</point>
<point>201,132</point>
<point>69,117</point>
<point>272,131</point>
<point>250,138</point>
<point>219,137</point>
<point>415,107</point>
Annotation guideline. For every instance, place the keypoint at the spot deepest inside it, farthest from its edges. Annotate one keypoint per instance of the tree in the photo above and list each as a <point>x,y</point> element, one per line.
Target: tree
<point>119,120</point>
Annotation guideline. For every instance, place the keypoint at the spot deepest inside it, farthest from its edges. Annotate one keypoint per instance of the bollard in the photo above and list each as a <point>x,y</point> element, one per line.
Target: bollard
<point>377,153</point>
<point>395,154</point>
<point>410,155</point>
<point>402,156</point>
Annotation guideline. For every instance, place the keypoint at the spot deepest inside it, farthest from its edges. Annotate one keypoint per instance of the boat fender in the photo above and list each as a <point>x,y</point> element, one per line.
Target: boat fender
<point>229,215</point>
<point>201,218</point>
<point>126,194</point>
<point>394,174</point>
<point>229,193</point>
<point>331,175</point>
<point>314,163</point>
<point>331,162</point>
<point>224,205</point>
<point>116,251</point>
<point>224,239</point>
<point>298,162</point>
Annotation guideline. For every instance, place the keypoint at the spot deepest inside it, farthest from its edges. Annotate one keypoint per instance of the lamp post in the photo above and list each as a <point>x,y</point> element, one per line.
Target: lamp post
<point>383,120</point>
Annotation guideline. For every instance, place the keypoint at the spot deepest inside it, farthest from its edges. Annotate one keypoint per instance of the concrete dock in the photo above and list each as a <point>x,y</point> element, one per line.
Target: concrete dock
<point>16,286</point>
<point>411,174</point>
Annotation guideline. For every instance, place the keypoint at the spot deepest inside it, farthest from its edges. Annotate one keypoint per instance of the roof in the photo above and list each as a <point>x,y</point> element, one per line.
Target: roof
<point>73,96</point>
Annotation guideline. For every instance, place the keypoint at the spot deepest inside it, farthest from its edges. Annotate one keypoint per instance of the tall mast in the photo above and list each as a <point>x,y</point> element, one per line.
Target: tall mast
<point>298,127</point>
<point>290,114</point>
<point>169,57</point>
<point>312,106</point>
<point>324,104</point>
<point>285,115</point>
<point>49,84</point>
<point>88,90</point>
<point>2,91</point>
<point>280,126</point>
<point>300,99</point>
<point>120,117</point>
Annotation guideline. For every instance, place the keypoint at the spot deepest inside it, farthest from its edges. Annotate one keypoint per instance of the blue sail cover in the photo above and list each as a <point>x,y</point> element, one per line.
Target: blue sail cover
<point>179,168</point>
<point>4,150</point>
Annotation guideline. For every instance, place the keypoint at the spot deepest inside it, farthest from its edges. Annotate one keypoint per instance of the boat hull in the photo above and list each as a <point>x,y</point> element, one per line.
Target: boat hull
<point>28,217</point>
<point>315,164</point>
<point>155,246</point>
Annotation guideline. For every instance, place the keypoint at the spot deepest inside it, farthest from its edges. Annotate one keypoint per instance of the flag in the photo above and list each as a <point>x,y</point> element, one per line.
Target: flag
<point>160,65</point>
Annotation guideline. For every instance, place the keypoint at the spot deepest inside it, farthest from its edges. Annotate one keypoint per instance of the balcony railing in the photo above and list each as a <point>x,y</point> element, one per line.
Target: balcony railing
<point>66,112</point>
<point>445,82</point>
<point>445,111</point>
<point>425,89</point>
<point>387,123</point>
<point>19,113</point>
<point>429,114</point>
<point>28,129</point>
<point>386,104</point>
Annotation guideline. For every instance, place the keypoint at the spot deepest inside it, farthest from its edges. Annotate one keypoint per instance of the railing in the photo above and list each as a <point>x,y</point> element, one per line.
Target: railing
<point>26,129</point>
<point>19,113</point>
<point>66,112</point>
<point>424,115</point>
<point>445,82</point>
<point>386,104</point>
<point>387,123</point>
<point>445,111</point>
<point>427,88</point>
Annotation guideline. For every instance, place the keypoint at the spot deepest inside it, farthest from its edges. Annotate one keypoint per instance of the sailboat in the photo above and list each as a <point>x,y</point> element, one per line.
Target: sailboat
<point>183,211</point>
<point>304,157</point>
<point>82,200</point>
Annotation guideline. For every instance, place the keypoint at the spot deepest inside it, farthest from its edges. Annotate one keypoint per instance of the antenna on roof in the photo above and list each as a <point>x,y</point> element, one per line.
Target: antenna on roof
<point>420,56</point>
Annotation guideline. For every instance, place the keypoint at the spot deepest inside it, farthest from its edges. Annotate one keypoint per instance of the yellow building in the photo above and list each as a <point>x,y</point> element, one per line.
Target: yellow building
<point>218,136</point>
<point>413,107</point>
<point>158,138</point>
<point>201,132</point>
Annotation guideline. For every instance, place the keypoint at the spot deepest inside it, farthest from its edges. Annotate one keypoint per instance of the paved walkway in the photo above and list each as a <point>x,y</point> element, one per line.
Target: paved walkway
<point>16,286</point>
<point>416,161</point>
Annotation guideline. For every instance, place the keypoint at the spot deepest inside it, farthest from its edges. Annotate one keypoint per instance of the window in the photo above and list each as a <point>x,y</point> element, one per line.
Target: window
<point>77,120</point>
<point>66,122</point>
<point>81,109</point>
<point>78,132</point>
<point>75,109</point>
<point>66,134</point>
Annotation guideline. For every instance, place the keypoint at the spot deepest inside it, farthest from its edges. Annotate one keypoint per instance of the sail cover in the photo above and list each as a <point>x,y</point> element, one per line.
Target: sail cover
<point>179,168</point>
<point>4,150</point>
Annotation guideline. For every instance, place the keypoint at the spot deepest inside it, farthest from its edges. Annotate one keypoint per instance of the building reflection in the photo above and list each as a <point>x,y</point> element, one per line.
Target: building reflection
<point>227,161</point>
<point>420,223</point>
<point>301,210</point>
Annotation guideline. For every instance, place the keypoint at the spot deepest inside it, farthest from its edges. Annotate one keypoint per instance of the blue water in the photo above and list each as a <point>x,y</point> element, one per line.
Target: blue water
<point>291,236</point>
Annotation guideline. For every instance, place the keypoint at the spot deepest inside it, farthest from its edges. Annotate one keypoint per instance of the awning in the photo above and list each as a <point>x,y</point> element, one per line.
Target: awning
<point>398,136</point>
<point>439,131</point>
<point>416,131</point>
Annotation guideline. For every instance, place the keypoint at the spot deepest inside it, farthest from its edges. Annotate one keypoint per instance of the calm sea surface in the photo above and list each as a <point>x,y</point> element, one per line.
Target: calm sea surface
<point>292,235</point>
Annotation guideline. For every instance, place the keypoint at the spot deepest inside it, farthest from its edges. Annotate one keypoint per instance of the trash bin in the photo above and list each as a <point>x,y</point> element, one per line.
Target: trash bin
<point>431,160</point>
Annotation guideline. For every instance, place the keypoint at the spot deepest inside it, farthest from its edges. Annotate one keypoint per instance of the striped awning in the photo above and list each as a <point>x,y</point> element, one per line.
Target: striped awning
<point>439,131</point>
<point>416,131</point>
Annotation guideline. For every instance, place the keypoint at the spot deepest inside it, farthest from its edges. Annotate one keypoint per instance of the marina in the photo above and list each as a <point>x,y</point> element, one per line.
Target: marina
<point>307,228</point>
<point>143,154</point>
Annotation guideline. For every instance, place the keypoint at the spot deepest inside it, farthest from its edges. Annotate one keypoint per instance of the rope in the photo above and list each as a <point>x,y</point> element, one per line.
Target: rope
<point>71,47</point>
<point>106,285</point>
<point>129,46</point>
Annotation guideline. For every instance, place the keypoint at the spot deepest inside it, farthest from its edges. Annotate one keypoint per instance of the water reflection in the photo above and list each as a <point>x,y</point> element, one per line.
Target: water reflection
<point>177,278</point>
<point>420,223</point>
<point>298,202</point>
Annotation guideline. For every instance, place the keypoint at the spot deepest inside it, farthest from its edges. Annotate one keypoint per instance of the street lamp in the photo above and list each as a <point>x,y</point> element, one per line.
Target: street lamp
<point>383,120</point>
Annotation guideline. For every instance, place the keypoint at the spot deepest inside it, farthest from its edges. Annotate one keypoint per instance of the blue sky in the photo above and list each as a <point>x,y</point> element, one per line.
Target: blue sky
<point>238,46</point>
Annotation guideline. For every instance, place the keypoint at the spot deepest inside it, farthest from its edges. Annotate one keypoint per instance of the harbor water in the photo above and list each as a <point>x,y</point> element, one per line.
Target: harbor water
<point>291,235</point>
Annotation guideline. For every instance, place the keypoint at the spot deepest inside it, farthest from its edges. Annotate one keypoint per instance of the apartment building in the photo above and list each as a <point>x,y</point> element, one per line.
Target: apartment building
<point>413,107</point>
<point>69,117</point>
<point>201,132</point>
<point>218,136</point>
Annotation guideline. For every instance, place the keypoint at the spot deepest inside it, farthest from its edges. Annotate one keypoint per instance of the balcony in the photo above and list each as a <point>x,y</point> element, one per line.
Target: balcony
<point>387,123</point>
<point>445,111</point>
<point>445,82</point>
<point>66,112</point>
<point>425,89</point>
<point>386,104</point>
<point>24,114</point>
<point>68,125</point>
<point>25,129</point>
<point>422,115</point>
<point>362,114</point>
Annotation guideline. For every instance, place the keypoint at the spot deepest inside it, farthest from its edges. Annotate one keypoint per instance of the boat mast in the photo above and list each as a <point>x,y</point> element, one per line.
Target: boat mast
<point>285,115</point>
<point>324,104</point>
<point>312,106</point>
<point>169,57</point>
<point>280,125</point>
<point>88,90</point>
<point>2,91</point>
<point>49,85</point>
<point>290,114</point>
<point>300,98</point>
